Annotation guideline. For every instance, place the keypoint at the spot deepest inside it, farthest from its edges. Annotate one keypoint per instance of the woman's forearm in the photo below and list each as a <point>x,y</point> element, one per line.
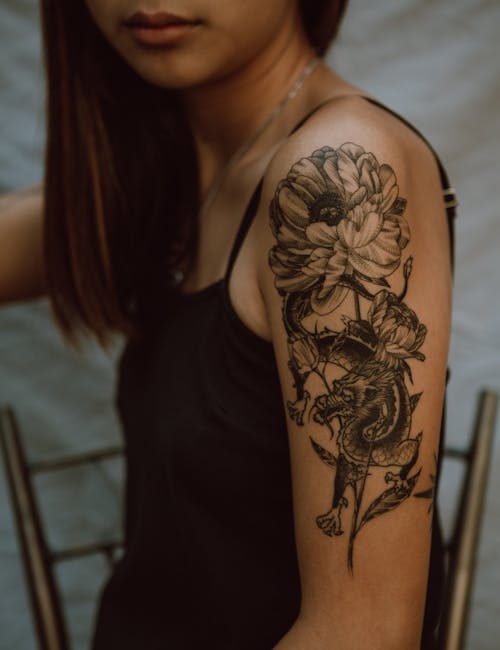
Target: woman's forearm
<point>22,267</point>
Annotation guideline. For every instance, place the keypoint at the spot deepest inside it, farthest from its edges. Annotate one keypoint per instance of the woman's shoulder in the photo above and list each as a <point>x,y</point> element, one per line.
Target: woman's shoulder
<point>361,151</point>
<point>363,121</point>
<point>367,115</point>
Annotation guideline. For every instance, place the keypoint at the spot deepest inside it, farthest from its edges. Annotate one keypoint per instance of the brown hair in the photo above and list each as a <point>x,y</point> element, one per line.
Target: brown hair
<point>322,20</point>
<point>120,179</point>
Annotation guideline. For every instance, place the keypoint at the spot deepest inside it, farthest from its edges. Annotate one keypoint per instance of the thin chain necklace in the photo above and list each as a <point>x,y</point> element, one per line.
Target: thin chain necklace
<point>242,150</point>
<point>245,147</point>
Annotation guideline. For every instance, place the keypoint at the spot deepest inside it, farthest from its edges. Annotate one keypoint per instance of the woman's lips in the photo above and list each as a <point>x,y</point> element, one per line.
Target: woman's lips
<point>158,28</point>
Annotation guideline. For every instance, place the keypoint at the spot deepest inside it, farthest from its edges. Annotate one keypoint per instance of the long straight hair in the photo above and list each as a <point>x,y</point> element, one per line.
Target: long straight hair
<point>120,176</point>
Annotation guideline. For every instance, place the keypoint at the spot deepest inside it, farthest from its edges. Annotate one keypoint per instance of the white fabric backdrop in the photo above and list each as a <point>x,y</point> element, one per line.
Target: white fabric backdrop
<point>437,64</point>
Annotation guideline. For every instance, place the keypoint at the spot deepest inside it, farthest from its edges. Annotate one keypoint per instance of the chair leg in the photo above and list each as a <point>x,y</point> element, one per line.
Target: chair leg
<point>44,596</point>
<point>465,537</point>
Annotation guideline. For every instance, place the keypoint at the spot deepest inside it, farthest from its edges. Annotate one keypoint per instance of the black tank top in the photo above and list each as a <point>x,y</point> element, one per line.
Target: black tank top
<point>210,558</point>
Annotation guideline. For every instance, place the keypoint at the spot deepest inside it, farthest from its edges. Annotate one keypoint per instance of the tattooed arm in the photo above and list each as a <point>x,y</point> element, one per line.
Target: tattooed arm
<point>357,287</point>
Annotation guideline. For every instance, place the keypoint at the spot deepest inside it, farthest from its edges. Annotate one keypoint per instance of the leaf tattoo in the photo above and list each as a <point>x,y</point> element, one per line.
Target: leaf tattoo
<point>388,500</point>
<point>340,232</point>
<point>430,493</point>
<point>325,455</point>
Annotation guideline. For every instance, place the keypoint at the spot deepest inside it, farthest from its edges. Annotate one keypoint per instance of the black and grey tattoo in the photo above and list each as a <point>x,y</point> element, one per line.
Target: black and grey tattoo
<point>338,222</point>
<point>430,492</point>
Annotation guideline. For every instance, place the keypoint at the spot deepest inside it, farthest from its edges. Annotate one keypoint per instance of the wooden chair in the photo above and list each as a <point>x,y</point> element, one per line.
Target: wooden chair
<point>463,544</point>
<point>38,559</point>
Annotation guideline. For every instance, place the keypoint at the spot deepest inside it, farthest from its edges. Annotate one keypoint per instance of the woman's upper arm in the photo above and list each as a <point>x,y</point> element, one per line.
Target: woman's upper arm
<point>357,284</point>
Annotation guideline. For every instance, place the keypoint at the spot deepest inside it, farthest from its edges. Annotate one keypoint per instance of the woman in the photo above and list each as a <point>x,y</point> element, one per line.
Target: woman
<point>274,245</point>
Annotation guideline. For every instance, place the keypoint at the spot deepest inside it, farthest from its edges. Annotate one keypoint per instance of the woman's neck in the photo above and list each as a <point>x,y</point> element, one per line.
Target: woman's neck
<point>224,113</point>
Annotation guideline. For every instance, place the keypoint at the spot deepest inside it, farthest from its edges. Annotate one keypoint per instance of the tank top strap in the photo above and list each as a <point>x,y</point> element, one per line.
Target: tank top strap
<point>244,226</point>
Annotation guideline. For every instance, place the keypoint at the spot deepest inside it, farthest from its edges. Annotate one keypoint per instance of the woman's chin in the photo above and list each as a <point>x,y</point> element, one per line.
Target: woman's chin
<point>176,71</point>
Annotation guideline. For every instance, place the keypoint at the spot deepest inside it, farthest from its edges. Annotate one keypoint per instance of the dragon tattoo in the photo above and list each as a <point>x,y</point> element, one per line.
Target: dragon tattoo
<point>340,234</point>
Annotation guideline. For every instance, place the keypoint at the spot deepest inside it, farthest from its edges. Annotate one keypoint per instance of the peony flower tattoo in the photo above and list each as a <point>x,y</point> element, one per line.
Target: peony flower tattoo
<point>340,230</point>
<point>397,328</point>
<point>337,214</point>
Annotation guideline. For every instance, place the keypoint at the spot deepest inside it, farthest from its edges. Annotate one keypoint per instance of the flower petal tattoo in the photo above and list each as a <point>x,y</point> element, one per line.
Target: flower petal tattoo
<point>340,234</point>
